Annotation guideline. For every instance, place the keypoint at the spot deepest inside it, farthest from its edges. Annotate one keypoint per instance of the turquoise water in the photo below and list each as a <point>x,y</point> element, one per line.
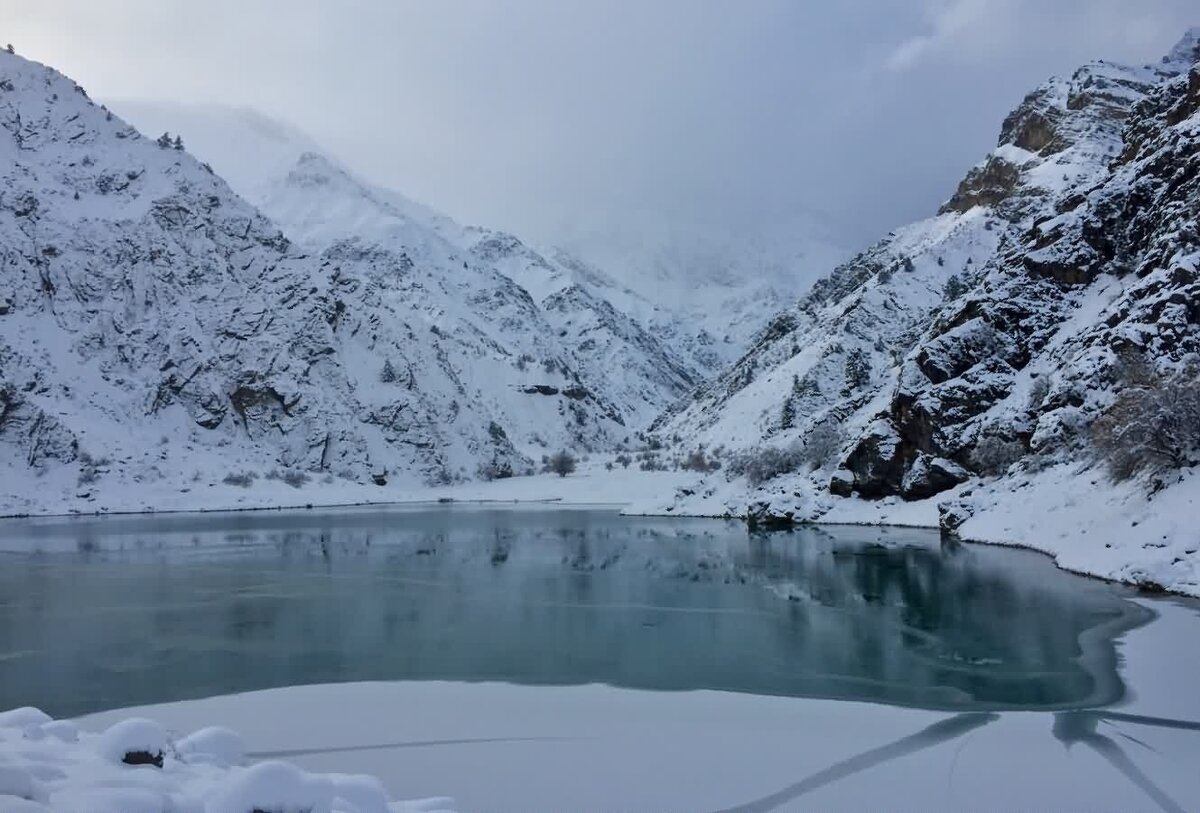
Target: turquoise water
<point>119,611</point>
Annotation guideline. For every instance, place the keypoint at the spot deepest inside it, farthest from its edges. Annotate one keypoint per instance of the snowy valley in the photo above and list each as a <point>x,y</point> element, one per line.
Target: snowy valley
<point>171,342</point>
<point>158,328</point>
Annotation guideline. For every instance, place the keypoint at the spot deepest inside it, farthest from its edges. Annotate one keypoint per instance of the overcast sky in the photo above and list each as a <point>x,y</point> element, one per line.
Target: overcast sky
<point>548,115</point>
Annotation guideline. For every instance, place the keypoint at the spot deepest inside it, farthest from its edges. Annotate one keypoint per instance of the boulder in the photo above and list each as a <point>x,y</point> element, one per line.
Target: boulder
<point>929,476</point>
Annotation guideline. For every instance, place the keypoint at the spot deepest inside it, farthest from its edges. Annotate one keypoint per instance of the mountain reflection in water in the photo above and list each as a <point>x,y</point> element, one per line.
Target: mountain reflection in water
<point>118,611</point>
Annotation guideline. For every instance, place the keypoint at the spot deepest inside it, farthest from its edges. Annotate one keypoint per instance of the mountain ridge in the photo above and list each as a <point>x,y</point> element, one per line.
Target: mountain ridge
<point>968,357</point>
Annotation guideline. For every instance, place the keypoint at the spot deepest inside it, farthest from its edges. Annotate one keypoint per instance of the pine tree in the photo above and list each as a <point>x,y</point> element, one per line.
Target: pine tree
<point>164,140</point>
<point>858,371</point>
<point>9,48</point>
<point>388,375</point>
<point>178,143</point>
<point>787,418</point>
<point>954,288</point>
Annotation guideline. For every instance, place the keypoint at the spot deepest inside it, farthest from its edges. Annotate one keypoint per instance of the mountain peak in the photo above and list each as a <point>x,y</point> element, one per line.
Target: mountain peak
<point>1187,51</point>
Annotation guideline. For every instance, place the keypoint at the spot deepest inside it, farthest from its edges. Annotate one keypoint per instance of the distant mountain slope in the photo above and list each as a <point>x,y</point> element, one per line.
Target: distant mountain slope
<point>966,356</point>
<point>154,326</point>
<point>723,277</point>
<point>318,202</point>
<point>699,290</point>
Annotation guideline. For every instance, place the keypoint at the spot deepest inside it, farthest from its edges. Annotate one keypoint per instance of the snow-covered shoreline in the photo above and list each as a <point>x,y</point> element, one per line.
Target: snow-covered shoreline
<point>1085,524</point>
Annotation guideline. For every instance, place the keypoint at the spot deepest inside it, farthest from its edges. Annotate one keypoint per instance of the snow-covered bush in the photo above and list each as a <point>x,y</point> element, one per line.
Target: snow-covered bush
<point>822,444</point>
<point>1038,392</point>
<point>993,455</point>
<point>1154,423</point>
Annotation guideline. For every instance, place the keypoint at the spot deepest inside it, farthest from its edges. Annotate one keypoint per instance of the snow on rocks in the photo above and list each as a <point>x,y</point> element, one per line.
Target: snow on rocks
<point>274,786</point>
<point>136,741</point>
<point>23,717</point>
<point>134,766</point>
<point>215,744</point>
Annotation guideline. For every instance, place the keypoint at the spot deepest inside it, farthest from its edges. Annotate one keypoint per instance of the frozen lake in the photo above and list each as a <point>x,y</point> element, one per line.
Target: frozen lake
<point>103,613</point>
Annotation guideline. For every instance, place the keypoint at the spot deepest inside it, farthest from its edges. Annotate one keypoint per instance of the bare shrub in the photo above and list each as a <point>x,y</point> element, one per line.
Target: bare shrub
<point>697,460</point>
<point>494,471</point>
<point>90,468</point>
<point>293,478</point>
<point>993,455</point>
<point>623,460</point>
<point>242,479</point>
<point>764,463</point>
<point>650,462</point>
<point>1154,423</point>
<point>560,463</point>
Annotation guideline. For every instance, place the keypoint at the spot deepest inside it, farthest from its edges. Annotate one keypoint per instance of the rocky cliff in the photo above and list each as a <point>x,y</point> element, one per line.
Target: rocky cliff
<point>973,353</point>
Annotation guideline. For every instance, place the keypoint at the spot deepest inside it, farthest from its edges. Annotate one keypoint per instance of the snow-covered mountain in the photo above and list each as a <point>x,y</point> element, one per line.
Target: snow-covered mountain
<point>699,290</point>
<point>154,325</point>
<point>634,351</point>
<point>966,360</point>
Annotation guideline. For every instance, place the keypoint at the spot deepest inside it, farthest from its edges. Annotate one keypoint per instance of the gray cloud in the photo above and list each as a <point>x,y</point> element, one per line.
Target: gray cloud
<point>557,117</point>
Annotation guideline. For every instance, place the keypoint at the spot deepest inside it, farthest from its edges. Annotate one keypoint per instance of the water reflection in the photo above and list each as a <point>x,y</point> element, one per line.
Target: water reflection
<point>99,614</point>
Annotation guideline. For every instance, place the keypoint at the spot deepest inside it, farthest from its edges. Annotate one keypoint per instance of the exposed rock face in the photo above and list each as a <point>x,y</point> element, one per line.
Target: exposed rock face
<point>1033,125</point>
<point>1076,239</point>
<point>988,185</point>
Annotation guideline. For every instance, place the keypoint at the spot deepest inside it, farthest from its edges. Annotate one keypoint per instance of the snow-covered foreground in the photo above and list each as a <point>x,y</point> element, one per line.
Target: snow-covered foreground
<point>134,766</point>
<point>519,748</point>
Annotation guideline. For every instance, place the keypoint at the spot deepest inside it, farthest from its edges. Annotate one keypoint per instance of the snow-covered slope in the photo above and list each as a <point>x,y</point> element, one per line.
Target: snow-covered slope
<point>966,356</point>
<point>610,332</point>
<point>153,325</point>
<point>722,279</point>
